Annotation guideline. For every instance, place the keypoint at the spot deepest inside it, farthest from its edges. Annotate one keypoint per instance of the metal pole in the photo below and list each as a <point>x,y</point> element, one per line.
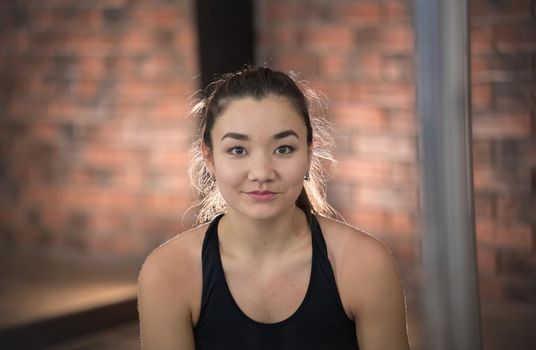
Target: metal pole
<point>451,299</point>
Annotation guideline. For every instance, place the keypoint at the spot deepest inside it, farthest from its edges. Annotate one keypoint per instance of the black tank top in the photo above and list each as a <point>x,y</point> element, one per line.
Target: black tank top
<point>320,322</point>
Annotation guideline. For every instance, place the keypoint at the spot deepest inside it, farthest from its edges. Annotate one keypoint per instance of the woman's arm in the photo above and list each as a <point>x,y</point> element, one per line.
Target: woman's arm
<point>370,287</point>
<point>381,312</point>
<point>165,315</point>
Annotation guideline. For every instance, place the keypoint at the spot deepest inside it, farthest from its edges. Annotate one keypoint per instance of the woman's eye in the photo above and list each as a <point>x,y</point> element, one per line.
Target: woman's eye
<point>284,149</point>
<point>237,151</point>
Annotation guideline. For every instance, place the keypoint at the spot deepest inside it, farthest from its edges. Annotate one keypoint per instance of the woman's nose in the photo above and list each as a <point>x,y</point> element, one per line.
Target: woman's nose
<point>261,169</point>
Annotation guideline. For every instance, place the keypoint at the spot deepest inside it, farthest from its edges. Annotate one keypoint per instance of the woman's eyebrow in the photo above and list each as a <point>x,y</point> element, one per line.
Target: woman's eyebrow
<point>283,134</point>
<point>235,135</point>
<point>243,137</point>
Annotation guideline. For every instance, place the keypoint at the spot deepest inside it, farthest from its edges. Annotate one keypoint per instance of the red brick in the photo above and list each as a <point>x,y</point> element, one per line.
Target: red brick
<point>74,43</point>
<point>328,38</point>
<point>283,35</point>
<point>106,157</point>
<point>96,97</point>
<point>167,110</point>
<point>86,90</point>
<point>333,66</point>
<point>514,96</point>
<point>395,95</point>
<point>480,66</point>
<point>398,68</point>
<point>340,194</point>
<point>129,178</point>
<point>89,19</point>
<point>481,96</point>
<point>369,171</point>
<point>403,122</point>
<point>282,10</point>
<point>517,66</point>
<point>186,40</point>
<point>484,205</point>
<point>159,229</point>
<point>397,38</point>
<point>520,289</point>
<point>404,173</point>
<point>365,117</point>
<point>106,223</point>
<point>396,11</point>
<point>500,126</point>
<point>47,18</point>
<point>386,146</point>
<point>482,150</point>
<point>305,65</point>
<point>336,91</point>
<point>488,179</point>
<point>494,9</point>
<point>518,264</point>
<point>487,260</point>
<point>502,67</point>
<point>516,36</point>
<point>481,39</point>
<point>124,246</point>
<point>97,199</point>
<point>358,13</point>
<point>403,250</point>
<point>510,208</point>
<point>516,236</point>
<point>164,204</point>
<point>367,66</point>
<point>392,199</point>
<point>490,287</point>
<point>369,220</point>
<point>160,17</point>
<point>42,131</point>
<point>137,42</point>
<point>402,224</point>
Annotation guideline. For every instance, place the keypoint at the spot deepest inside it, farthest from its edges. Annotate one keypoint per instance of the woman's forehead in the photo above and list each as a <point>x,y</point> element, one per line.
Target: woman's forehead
<point>268,115</point>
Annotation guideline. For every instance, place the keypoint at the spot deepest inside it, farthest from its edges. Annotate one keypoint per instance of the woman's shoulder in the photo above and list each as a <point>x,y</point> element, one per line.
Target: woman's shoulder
<point>175,262</point>
<point>345,239</point>
<point>363,265</point>
<point>169,290</point>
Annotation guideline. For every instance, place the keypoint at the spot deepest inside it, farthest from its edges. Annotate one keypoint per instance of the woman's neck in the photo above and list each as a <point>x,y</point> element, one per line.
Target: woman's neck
<point>274,236</point>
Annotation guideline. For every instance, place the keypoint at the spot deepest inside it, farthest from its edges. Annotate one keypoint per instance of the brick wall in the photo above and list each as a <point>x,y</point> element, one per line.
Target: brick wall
<point>93,140</point>
<point>503,39</point>
<point>361,54</point>
<point>93,136</point>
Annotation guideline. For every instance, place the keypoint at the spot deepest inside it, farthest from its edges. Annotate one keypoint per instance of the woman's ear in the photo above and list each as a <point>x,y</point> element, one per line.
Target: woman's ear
<point>207,157</point>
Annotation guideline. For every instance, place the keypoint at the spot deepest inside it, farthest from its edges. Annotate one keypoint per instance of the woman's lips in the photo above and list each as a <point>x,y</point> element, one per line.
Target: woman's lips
<point>262,196</point>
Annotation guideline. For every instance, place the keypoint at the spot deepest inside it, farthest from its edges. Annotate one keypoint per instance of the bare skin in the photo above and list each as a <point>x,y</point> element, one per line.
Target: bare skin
<point>366,275</point>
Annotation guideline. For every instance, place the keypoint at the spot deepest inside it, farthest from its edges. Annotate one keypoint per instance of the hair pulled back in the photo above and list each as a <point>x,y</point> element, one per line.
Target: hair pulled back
<point>258,83</point>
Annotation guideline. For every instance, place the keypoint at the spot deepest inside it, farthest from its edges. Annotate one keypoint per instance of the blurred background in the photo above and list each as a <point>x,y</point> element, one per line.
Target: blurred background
<point>94,141</point>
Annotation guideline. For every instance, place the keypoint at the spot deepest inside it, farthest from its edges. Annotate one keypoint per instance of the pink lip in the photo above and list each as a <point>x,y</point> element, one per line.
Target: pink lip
<point>261,195</point>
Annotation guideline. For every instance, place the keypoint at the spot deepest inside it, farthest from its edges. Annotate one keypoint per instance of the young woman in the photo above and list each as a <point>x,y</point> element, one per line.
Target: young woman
<point>269,269</point>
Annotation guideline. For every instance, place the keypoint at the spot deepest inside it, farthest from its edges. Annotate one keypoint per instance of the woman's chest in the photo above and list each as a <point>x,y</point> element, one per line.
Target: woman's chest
<point>272,292</point>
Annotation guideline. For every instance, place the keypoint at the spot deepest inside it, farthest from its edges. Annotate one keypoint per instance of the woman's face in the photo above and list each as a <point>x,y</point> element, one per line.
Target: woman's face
<point>259,156</point>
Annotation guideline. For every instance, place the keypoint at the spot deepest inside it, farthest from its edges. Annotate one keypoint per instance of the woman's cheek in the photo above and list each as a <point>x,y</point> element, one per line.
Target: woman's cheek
<point>229,171</point>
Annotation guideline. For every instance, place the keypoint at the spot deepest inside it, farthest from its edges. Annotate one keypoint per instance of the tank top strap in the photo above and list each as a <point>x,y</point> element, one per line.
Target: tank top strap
<point>212,278</point>
<point>317,236</point>
<point>325,270</point>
